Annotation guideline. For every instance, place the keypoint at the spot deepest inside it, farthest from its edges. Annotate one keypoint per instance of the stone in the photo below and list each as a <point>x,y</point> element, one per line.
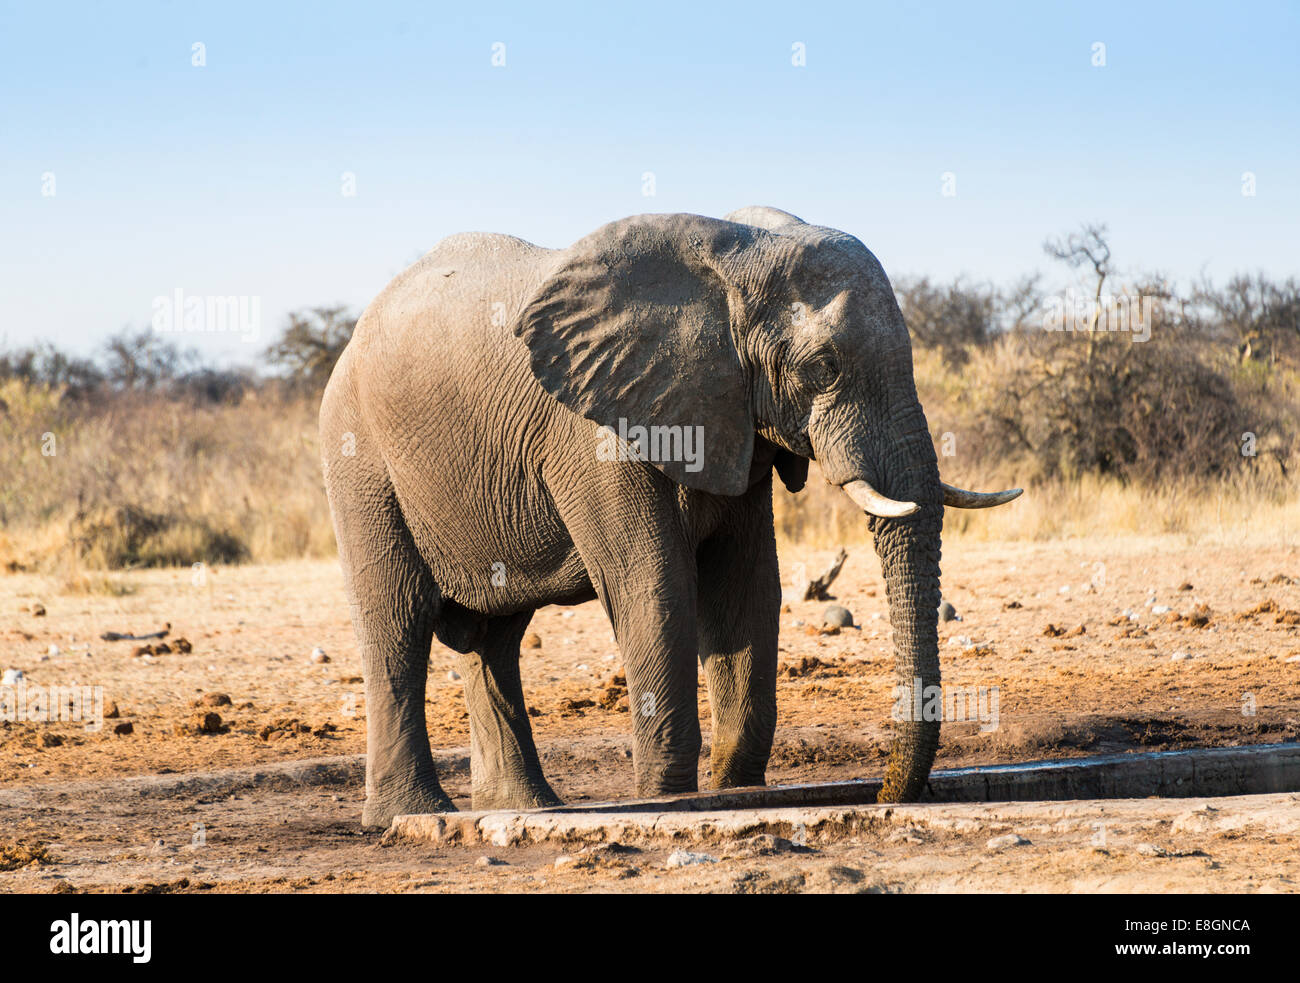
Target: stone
<point>837,616</point>
<point>318,655</point>
<point>1006,842</point>
<point>684,858</point>
<point>12,677</point>
<point>947,612</point>
<point>533,640</point>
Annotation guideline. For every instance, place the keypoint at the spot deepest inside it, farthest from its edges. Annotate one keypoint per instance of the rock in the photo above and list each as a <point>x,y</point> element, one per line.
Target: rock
<point>38,610</point>
<point>201,723</point>
<point>318,655</point>
<point>1151,850</point>
<point>12,677</point>
<point>490,862</point>
<point>182,645</point>
<point>1159,609</point>
<point>797,623</point>
<point>112,713</point>
<point>785,609</point>
<point>213,700</point>
<point>760,845</point>
<point>533,640</point>
<point>684,858</point>
<point>947,612</point>
<point>52,650</point>
<point>1180,656</point>
<point>1006,842</point>
<point>124,728</point>
<point>1185,585</point>
<point>837,617</point>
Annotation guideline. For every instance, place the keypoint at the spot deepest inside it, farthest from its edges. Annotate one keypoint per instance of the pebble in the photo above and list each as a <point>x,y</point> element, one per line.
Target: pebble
<point>11,677</point>
<point>1004,842</point>
<point>1180,657</point>
<point>838,616</point>
<point>947,612</point>
<point>797,623</point>
<point>1160,609</point>
<point>453,676</point>
<point>493,862</point>
<point>318,655</point>
<point>684,858</point>
<point>53,650</point>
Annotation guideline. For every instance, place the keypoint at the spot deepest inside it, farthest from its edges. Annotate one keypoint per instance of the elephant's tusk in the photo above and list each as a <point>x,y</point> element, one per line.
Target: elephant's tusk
<point>874,503</point>
<point>960,498</point>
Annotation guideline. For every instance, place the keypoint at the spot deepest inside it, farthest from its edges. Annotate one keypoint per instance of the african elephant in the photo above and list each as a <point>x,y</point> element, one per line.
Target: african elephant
<point>482,458</point>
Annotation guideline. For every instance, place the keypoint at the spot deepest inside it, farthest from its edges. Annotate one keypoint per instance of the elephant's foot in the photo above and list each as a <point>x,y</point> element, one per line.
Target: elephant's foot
<point>736,768</point>
<point>382,805</point>
<point>534,794</point>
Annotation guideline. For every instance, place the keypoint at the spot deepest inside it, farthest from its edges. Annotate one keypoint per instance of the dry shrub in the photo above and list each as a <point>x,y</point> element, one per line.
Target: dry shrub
<point>143,480</point>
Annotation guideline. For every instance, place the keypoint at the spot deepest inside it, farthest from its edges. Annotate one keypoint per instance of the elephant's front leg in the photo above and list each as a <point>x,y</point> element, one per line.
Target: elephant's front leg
<point>648,590</point>
<point>740,601</point>
<point>657,636</point>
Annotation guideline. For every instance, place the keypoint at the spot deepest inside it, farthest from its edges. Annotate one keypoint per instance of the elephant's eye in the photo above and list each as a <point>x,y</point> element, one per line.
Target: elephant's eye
<point>821,371</point>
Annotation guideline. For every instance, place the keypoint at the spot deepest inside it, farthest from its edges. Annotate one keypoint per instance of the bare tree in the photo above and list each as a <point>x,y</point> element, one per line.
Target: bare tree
<point>311,343</point>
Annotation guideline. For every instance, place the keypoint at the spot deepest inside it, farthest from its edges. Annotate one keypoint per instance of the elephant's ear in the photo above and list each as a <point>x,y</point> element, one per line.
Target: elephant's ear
<point>792,469</point>
<point>633,327</point>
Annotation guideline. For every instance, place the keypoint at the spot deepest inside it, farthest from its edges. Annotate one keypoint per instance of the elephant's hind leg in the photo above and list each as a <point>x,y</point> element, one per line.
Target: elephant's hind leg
<point>394,602</point>
<point>505,768</point>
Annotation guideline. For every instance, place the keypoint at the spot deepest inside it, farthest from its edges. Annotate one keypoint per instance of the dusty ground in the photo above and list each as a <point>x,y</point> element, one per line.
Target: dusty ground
<point>1113,685</point>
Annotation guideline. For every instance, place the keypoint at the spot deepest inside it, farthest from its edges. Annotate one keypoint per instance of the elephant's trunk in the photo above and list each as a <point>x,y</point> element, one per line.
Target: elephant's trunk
<point>909,557</point>
<point>908,547</point>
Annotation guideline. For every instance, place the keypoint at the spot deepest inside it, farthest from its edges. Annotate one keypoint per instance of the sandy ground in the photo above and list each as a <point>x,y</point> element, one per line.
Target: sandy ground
<point>1043,623</point>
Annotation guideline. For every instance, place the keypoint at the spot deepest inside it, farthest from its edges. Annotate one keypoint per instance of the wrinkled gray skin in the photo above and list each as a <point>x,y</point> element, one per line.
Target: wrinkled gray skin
<point>459,441</point>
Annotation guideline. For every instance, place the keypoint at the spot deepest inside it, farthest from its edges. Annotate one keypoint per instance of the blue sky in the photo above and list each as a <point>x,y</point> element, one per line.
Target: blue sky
<point>227,178</point>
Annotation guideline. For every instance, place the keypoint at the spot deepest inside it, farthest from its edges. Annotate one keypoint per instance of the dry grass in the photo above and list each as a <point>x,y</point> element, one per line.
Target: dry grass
<point>1230,511</point>
<point>149,483</point>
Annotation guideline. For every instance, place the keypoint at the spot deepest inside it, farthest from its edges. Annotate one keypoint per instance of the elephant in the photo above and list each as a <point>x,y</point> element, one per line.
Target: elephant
<point>512,426</point>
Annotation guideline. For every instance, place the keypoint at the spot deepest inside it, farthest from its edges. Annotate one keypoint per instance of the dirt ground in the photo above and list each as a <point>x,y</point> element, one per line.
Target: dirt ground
<point>1074,637</point>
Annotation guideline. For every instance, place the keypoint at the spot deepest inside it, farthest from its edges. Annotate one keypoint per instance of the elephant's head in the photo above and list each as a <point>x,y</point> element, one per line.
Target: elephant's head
<point>761,325</point>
